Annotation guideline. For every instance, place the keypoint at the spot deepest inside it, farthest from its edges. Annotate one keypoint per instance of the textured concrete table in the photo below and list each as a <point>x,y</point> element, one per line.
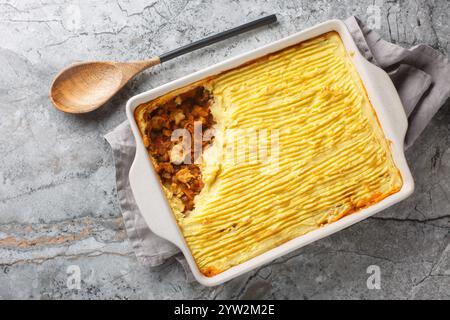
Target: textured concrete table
<point>58,207</point>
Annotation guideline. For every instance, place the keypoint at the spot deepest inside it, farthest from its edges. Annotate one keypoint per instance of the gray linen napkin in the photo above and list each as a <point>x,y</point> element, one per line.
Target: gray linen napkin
<point>420,74</point>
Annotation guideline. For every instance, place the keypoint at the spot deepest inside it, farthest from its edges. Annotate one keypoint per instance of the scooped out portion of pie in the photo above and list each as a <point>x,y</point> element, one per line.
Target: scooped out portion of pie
<point>276,148</point>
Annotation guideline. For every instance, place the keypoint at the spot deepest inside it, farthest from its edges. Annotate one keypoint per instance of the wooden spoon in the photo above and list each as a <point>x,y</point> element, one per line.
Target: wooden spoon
<point>84,87</point>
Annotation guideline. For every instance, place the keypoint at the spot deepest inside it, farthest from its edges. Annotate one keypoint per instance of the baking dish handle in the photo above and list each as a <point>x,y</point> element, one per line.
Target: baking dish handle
<point>387,97</point>
<point>151,200</point>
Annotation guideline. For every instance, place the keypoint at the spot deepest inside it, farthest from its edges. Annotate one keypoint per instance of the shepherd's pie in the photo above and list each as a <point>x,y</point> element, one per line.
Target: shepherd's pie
<point>310,105</point>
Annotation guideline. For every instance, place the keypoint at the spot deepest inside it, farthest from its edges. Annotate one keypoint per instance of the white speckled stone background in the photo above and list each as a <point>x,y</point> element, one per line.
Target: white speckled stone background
<point>58,202</point>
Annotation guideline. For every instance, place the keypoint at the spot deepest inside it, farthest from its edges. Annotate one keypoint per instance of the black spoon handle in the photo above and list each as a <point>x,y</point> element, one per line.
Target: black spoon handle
<point>217,37</point>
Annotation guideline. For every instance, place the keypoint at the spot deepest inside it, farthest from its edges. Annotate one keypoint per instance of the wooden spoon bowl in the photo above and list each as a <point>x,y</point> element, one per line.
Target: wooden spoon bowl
<point>83,87</point>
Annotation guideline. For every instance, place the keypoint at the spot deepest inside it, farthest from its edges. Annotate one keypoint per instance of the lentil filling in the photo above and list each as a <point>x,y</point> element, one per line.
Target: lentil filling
<point>183,178</point>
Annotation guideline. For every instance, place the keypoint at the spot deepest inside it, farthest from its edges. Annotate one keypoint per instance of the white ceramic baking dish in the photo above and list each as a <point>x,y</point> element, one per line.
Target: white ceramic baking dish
<point>155,208</point>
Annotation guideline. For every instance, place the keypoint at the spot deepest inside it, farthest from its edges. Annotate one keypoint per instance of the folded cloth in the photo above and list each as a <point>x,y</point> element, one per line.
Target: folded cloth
<point>420,75</point>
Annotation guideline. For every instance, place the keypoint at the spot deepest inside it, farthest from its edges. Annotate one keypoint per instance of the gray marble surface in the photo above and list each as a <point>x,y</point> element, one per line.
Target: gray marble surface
<point>58,205</point>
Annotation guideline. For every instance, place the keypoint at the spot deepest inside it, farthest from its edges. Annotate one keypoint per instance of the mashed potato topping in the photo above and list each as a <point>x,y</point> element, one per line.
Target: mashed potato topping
<point>332,157</point>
